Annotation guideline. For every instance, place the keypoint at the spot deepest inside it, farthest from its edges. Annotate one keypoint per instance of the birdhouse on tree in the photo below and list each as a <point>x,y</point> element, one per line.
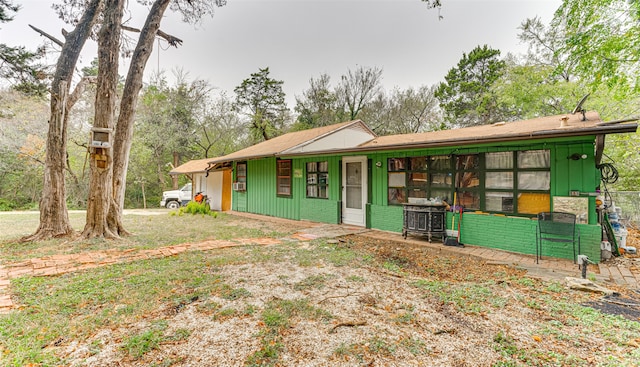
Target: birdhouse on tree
<point>99,144</point>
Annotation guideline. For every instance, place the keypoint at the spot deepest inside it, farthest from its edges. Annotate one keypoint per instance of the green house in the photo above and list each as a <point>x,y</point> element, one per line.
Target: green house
<point>501,174</point>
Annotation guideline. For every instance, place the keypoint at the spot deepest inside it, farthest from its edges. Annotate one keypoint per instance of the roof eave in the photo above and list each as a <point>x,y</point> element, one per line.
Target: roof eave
<point>605,130</point>
<point>556,133</point>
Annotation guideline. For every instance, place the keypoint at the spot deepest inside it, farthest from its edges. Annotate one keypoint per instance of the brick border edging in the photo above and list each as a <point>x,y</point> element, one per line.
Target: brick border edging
<point>63,264</point>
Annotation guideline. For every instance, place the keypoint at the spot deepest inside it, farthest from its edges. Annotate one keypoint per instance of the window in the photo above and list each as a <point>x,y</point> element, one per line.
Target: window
<point>468,180</point>
<point>534,181</point>
<point>440,177</point>
<point>241,172</point>
<point>419,177</point>
<point>397,180</point>
<point>318,180</point>
<point>499,182</point>
<point>284,177</point>
<point>515,182</point>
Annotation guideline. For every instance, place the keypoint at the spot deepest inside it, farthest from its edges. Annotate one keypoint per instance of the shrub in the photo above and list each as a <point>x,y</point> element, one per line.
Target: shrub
<point>193,207</point>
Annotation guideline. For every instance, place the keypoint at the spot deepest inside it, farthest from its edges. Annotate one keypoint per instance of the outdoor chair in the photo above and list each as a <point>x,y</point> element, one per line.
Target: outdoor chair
<point>557,228</point>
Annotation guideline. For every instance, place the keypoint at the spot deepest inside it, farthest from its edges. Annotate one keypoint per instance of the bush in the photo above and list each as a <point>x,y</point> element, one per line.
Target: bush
<point>6,205</point>
<point>193,207</point>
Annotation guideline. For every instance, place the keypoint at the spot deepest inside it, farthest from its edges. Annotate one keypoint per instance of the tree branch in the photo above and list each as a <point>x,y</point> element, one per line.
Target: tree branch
<point>347,323</point>
<point>78,90</point>
<point>173,41</point>
<point>43,33</point>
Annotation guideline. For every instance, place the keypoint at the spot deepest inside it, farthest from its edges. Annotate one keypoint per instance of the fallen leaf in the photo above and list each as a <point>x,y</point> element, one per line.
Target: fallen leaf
<point>537,338</point>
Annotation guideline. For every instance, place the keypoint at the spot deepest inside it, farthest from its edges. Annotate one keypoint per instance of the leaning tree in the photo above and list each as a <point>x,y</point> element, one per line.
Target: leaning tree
<point>54,218</point>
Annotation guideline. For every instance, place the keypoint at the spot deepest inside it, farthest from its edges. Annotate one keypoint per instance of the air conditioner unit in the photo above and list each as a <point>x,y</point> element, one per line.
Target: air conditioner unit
<point>239,186</point>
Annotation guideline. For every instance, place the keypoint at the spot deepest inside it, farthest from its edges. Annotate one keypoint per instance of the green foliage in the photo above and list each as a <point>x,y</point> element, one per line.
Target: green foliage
<point>318,105</point>
<point>6,205</point>
<point>22,147</point>
<point>602,40</point>
<point>467,297</point>
<point>357,89</point>
<point>139,344</point>
<point>466,96</point>
<point>186,120</point>
<point>261,98</point>
<point>57,307</point>
<point>193,207</point>
<point>530,91</point>
<point>19,66</point>
<point>506,346</point>
<point>6,8</point>
<point>622,151</point>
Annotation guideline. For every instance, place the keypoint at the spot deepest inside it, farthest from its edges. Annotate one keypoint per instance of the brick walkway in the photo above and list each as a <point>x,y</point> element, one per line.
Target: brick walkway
<point>548,268</point>
<point>62,264</point>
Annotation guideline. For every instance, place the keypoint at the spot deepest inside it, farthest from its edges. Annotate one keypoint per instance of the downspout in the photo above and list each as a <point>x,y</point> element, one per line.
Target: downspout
<point>599,148</point>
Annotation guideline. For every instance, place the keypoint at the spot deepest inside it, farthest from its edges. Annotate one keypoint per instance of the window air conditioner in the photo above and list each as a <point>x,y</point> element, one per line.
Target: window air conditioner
<point>239,186</point>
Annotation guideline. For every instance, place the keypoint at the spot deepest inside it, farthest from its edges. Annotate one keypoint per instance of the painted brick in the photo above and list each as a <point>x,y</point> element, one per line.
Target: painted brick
<point>319,210</point>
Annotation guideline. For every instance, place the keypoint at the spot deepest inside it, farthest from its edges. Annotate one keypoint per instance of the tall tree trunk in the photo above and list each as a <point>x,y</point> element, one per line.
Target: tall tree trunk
<point>124,128</point>
<point>54,217</point>
<point>176,163</point>
<point>144,196</point>
<point>100,181</point>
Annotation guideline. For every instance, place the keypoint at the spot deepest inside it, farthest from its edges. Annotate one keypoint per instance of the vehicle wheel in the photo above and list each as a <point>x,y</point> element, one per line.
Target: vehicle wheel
<point>173,205</point>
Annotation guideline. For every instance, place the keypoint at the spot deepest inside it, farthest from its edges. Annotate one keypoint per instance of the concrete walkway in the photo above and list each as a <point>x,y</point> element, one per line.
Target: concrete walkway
<point>548,268</point>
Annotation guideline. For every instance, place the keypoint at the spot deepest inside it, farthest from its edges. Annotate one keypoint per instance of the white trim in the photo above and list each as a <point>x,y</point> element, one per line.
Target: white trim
<point>299,148</point>
<point>355,216</point>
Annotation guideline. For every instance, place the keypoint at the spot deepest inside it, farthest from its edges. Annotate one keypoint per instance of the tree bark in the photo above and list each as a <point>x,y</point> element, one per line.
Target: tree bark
<point>54,217</point>
<point>176,163</point>
<point>124,128</point>
<point>100,188</point>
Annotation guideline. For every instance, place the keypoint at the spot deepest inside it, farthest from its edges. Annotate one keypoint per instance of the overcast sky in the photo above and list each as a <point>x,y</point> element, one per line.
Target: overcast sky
<point>300,39</point>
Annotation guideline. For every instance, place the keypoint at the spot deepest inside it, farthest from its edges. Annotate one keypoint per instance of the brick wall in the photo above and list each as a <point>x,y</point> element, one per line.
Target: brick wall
<point>386,218</point>
<point>515,234</point>
<point>319,210</point>
<point>519,235</point>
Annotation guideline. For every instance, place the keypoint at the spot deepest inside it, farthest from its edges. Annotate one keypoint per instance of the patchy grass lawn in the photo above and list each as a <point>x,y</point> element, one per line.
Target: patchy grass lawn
<point>151,229</point>
<point>353,303</point>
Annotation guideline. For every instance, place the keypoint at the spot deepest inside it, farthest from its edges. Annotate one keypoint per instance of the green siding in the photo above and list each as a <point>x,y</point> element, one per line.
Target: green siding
<point>314,209</point>
<point>261,197</point>
<point>261,191</point>
<point>581,175</point>
<point>515,234</point>
<point>238,198</point>
<point>239,201</point>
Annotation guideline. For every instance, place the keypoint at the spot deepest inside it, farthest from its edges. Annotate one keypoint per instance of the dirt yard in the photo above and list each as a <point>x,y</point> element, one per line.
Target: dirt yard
<point>362,302</point>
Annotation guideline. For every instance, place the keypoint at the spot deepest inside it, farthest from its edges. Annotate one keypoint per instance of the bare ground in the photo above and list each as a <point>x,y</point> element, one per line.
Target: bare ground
<point>393,305</point>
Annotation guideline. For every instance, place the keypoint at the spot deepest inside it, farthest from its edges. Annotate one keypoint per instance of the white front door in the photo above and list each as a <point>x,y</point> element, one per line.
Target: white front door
<point>354,190</point>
